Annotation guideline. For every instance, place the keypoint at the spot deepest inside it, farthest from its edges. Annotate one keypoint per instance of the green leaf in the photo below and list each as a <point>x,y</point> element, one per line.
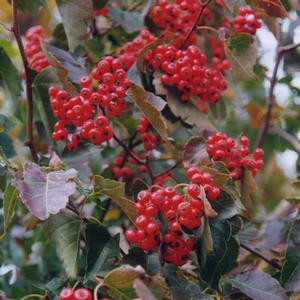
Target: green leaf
<point>130,21</point>
<point>180,287</point>
<point>144,100</point>
<point>138,257</point>
<point>10,199</point>
<point>116,191</point>
<point>65,229</point>
<point>75,14</point>
<point>186,111</point>
<point>204,242</point>
<point>224,255</point>
<point>258,286</point>
<point>101,249</point>
<point>242,55</point>
<point>290,274</point>
<point>225,206</point>
<point>11,78</point>
<point>119,282</point>
<point>40,87</point>
<point>247,187</point>
<point>219,173</point>
<point>7,145</point>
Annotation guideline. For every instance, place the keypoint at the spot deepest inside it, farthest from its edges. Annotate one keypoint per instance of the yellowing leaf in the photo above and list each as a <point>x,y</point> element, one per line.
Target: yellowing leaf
<point>242,54</point>
<point>116,191</point>
<point>5,11</point>
<point>152,114</point>
<point>112,214</point>
<point>257,114</point>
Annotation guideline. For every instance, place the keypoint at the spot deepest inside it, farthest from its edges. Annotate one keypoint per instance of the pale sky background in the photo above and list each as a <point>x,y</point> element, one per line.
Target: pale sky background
<point>287,159</point>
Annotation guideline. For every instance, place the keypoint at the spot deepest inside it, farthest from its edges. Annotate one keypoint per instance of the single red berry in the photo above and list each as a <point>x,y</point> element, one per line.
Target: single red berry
<point>82,294</point>
<point>66,294</point>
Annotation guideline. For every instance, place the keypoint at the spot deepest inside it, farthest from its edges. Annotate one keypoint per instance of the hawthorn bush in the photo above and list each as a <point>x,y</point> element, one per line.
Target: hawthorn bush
<point>149,149</point>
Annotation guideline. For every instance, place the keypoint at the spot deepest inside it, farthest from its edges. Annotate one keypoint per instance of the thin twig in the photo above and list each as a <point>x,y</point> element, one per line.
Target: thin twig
<point>29,126</point>
<point>280,51</point>
<point>194,27</point>
<point>260,255</point>
<point>128,151</point>
<point>131,154</point>
<point>169,170</point>
<point>287,137</point>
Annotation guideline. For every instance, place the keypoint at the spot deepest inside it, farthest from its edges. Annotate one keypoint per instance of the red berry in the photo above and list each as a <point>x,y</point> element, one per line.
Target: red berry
<point>82,294</point>
<point>66,294</point>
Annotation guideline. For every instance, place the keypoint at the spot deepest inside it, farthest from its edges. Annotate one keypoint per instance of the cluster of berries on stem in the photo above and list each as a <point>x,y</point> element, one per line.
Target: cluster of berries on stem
<point>179,17</point>
<point>187,71</point>
<point>235,155</point>
<point>149,140</point>
<point>84,116</point>
<point>166,215</point>
<point>129,52</point>
<point>247,21</point>
<point>36,58</point>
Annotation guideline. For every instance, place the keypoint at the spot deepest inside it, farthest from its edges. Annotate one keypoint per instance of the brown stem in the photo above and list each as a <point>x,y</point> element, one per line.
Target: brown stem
<point>169,170</point>
<point>260,255</point>
<point>184,42</point>
<point>287,137</point>
<point>131,154</point>
<point>29,126</point>
<point>128,151</point>
<point>281,50</point>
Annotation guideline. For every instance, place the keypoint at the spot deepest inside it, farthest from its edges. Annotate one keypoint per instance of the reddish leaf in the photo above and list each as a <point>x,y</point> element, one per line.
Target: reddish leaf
<point>44,193</point>
<point>194,153</point>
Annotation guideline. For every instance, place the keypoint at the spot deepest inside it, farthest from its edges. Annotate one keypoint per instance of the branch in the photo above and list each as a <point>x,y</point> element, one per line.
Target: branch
<point>128,151</point>
<point>287,137</point>
<point>131,154</point>
<point>183,44</point>
<point>281,50</point>
<point>168,170</point>
<point>29,128</point>
<point>260,255</point>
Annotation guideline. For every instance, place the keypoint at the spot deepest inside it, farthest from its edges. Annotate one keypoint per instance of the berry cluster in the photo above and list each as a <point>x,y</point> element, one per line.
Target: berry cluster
<point>247,21</point>
<point>120,170</point>
<point>36,59</point>
<point>178,16</point>
<point>78,294</point>
<point>235,155</point>
<point>82,116</point>
<point>180,212</point>
<point>128,54</point>
<point>149,140</point>
<point>187,71</point>
<point>219,61</point>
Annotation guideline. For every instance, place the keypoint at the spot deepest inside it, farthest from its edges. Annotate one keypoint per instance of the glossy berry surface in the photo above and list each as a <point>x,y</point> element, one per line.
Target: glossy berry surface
<point>234,154</point>
<point>82,294</point>
<point>187,71</point>
<point>247,21</point>
<point>85,116</point>
<point>66,294</point>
